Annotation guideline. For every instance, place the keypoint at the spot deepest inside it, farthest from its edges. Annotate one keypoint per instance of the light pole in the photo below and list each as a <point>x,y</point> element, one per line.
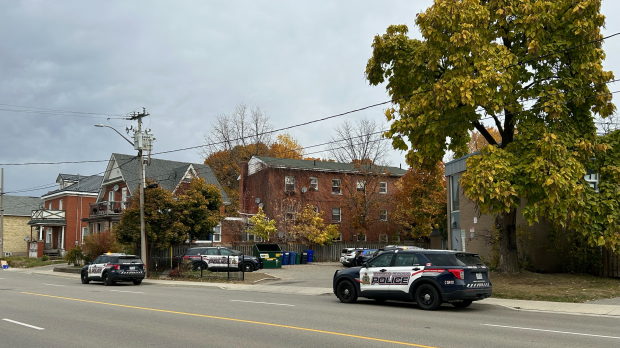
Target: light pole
<point>143,255</point>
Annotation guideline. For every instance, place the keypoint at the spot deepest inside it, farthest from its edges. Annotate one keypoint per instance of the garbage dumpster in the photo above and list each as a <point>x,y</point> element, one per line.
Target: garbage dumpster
<point>285,258</point>
<point>304,257</point>
<point>271,254</point>
<point>310,255</point>
<point>292,258</point>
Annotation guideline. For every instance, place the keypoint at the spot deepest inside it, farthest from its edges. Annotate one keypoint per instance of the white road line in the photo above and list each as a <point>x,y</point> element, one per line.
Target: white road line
<point>133,292</point>
<point>18,323</point>
<point>52,284</point>
<point>269,303</point>
<point>553,331</point>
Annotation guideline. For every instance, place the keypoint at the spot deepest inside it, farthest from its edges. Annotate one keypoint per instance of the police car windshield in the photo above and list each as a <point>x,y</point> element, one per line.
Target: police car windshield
<point>442,259</point>
<point>469,260</point>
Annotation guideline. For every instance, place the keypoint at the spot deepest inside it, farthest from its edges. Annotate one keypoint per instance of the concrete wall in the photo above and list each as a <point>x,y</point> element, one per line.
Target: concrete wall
<point>15,230</point>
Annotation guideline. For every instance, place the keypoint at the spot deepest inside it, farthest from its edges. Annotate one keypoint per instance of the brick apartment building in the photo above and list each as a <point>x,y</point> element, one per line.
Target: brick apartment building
<point>283,187</point>
<point>121,181</point>
<point>57,225</point>
<point>17,212</point>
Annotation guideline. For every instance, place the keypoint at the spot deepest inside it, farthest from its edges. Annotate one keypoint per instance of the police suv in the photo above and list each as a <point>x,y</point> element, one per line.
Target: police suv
<point>219,259</point>
<point>427,277</point>
<point>114,267</point>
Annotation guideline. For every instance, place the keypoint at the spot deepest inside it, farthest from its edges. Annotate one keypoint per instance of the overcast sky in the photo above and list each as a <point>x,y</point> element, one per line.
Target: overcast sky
<point>186,62</point>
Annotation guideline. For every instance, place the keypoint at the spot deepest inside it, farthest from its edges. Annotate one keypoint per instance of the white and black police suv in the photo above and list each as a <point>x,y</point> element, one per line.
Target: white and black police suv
<point>427,277</point>
<point>112,267</point>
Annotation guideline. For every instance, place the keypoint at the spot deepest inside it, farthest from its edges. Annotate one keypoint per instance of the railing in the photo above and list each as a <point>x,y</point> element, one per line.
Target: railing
<point>48,214</point>
<point>106,208</point>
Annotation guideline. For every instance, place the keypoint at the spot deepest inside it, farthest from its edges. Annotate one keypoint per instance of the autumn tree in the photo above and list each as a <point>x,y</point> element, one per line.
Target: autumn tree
<point>310,227</point>
<point>420,200</point>
<point>199,207</point>
<point>96,244</point>
<point>286,146</point>
<point>162,220</point>
<point>478,141</point>
<point>534,68</point>
<point>360,142</point>
<point>261,225</point>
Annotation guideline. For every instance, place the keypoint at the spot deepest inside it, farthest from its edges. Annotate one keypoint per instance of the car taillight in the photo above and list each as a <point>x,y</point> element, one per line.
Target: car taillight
<point>458,273</point>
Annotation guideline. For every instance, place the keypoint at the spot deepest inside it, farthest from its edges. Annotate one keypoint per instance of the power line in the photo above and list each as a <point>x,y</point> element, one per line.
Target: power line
<point>63,111</point>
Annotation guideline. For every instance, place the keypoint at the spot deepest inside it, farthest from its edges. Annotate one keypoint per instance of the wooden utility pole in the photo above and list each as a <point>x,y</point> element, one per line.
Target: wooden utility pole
<point>139,145</point>
<point>1,212</point>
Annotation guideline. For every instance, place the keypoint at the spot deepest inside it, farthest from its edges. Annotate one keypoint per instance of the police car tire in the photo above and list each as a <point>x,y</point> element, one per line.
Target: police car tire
<point>199,265</point>
<point>432,303</point>
<point>85,278</point>
<point>346,292</point>
<point>462,304</point>
<point>106,280</point>
<point>248,267</point>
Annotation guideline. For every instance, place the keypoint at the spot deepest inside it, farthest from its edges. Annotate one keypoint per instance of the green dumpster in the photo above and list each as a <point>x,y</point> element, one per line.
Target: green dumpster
<point>271,254</point>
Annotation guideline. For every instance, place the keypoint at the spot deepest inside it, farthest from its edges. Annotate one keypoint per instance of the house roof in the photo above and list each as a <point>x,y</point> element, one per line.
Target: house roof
<point>86,184</point>
<point>323,165</point>
<point>20,205</point>
<point>458,165</point>
<point>168,174</point>
<point>69,177</point>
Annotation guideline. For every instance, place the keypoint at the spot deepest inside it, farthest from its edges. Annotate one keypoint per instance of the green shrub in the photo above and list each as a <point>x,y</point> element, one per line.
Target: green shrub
<point>74,256</point>
<point>45,258</point>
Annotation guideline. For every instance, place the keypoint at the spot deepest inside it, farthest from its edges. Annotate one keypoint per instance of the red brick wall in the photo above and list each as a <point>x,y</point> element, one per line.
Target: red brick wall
<point>268,185</point>
<point>118,195</point>
<point>76,208</point>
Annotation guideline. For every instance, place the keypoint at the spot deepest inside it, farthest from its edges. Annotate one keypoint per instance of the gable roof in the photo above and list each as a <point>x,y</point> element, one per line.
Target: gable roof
<point>69,177</point>
<point>323,165</point>
<point>85,184</point>
<point>168,174</point>
<point>20,205</point>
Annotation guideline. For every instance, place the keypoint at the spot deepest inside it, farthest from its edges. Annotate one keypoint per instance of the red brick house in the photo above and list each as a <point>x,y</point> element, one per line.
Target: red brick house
<point>283,187</point>
<point>57,225</point>
<point>121,180</point>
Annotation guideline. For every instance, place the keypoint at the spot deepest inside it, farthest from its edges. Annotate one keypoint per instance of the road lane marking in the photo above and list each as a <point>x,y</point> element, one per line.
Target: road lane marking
<point>132,292</point>
<point>23,324</point>
<point>52,284</point>
<point>269,303</point>
<point>553,331</point>
<point>236,320</point>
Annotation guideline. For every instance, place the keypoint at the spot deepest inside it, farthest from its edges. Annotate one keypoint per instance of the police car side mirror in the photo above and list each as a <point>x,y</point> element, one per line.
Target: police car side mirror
<point>365,264</point>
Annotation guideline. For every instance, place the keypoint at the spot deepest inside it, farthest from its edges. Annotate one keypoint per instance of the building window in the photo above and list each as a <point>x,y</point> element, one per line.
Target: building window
<point>253,238</point>
<point>383,187</point>
<point>84,233</point>
<point>383,238</point>
<point>111,196</point>
<point>395,238</point>
<point>50,206</point>
<point>361,185</point>
<point>592,179</point>
<point>60,205</point>
<point>290,213</point>
<point>217,233</point>
<point>48,236</point>
<point>454,193</point>
<point>339,238</point>
<point>383,215</point>
<point>336,217</point>
<point>314,184</point>
<point>316,209</point>
<point>336,187</point>
<point>124,198</point>
<point>361,238</point>
<point>289,184</point>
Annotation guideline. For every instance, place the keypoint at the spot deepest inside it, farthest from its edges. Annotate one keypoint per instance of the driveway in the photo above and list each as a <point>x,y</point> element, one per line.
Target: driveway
<point>316,274</point>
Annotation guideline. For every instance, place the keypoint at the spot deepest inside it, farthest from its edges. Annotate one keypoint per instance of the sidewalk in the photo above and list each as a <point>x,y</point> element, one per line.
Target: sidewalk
<point>604,310</point>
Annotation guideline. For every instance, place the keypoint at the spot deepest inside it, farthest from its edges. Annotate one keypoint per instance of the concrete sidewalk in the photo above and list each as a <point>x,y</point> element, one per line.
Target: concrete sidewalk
<point>603,310</point>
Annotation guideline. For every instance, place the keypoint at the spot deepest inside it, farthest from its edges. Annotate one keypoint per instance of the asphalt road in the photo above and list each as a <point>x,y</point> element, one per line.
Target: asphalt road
<point>61,312</point>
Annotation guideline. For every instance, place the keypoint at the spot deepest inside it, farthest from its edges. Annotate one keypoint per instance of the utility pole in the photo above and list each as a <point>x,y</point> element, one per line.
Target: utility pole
<point>1,212</point>
<point>139,145</point>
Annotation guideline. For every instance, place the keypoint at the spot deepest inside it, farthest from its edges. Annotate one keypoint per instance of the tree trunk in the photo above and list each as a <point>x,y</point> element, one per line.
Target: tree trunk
<point>506,224</point>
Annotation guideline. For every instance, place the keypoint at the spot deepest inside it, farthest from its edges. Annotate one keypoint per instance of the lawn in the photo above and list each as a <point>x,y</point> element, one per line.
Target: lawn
<point>26,262</point>
<point>558,287</point>
<point>219,277</point>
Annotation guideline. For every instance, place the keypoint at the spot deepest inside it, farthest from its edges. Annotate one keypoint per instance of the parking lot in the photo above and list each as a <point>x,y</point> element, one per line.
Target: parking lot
<point>316,274</point>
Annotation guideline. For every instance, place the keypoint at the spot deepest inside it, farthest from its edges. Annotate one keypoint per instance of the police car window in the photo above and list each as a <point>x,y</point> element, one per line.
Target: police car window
<point>405,260</point>
<point>469,260</point>
<point>442,259</point>
<point>97,259</point>
<point>384,260</point>
<point>130,259</point>
<point>212,251</point>
<point>104,259</point>
<point>113,259</point>
<point>193,251</point>
<point>225,252</point>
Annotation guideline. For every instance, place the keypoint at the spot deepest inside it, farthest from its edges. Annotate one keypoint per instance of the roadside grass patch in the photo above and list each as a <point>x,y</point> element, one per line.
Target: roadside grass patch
<point>557,287</point>
<point>216,277</point>
<point>26,262</point>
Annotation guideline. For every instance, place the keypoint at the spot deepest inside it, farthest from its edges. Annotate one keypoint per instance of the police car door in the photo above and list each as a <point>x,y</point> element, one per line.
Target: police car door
<point>229,258</point>
<point>92,267</point>
<point>406,268</point>
<point>98,266</point>
<point>212,257</point>
<point>374,278</point>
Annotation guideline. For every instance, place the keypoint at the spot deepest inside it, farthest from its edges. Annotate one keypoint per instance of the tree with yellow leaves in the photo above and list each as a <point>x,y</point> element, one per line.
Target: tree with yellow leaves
<point>262,226</point>
<point>310,227</point>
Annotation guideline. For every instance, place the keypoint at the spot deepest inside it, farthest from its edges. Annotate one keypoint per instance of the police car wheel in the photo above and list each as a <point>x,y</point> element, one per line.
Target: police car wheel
<point>427,298</point>
<point>106,280</point>
<point>200,265</point>
<point>85,278</point>
<point>462,304</point>
<point>346,292</point>
<point>248,267</point>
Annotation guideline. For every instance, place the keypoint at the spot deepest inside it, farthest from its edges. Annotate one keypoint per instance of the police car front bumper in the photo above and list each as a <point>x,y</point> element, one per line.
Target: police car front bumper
<point>124,276</point>
<point>468,294</point>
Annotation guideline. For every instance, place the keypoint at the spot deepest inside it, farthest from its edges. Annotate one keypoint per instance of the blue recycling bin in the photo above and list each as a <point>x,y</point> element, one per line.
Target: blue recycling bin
<point>310,255</point>
<point>285,258</point>
<point>292,258</point>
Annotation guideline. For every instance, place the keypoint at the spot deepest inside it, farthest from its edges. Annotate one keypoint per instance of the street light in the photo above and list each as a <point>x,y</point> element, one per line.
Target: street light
<point>142,180</point>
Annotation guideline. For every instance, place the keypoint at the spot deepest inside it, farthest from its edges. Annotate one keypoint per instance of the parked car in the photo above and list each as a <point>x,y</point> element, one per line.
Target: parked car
<point>363,255</point>
<point>427,277</point>
<point>348,255</point>
<point>114,267</point>
<point>218,258</point>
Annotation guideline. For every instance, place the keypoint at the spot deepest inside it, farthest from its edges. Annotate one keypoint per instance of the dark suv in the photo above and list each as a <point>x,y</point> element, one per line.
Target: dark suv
<point>219,259</point>
<point>427,277</point>
<point>111,268</point>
